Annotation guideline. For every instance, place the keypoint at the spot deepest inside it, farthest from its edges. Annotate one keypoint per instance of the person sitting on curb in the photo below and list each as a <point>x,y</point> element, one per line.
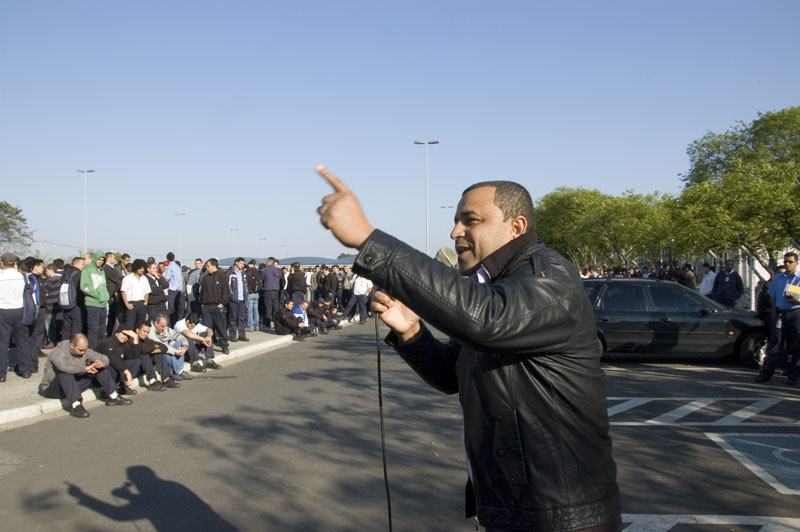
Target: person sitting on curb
<point>71,368</point>
<point>200,337</point>
<point>121,364</point>
<point>286,323</point>
<point>176,346</point>
<point>332,313</point>
<point>150,351</point>
<point>300,314</point>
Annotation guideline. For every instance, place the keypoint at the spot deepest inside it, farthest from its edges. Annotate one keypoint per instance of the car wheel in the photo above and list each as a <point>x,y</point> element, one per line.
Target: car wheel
<point>750,349</point>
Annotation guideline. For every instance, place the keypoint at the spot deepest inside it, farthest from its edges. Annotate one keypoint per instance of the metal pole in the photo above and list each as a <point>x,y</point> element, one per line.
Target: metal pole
<point>427,209</point>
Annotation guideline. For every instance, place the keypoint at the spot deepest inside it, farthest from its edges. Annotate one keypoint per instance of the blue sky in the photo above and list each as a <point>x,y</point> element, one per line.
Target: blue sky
<point>221,110</point>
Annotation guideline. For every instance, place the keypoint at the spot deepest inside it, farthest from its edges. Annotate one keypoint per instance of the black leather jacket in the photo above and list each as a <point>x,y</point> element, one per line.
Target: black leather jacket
<point>525,360</point>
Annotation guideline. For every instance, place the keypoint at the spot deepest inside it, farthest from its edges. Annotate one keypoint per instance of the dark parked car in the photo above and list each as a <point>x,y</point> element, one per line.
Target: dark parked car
<point>663,317</point>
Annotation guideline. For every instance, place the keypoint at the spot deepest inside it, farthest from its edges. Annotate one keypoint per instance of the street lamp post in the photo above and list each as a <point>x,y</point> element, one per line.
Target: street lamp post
<point>427,218</point>
<point>85,204</point>
<point>235,239</point>
<point>180,216</point>
<point>263,248</point>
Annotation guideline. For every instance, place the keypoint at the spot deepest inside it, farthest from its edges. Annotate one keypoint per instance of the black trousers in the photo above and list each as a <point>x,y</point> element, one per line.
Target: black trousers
<point>10,325</point>
<point>194,351</point>
<point>153,310</point>
<point>96,318</point>
<point>175,306</point>
<point>134,365</point>
<point>73,322</point>
<point>212,318</point>
<point>114,313</point>
<point>72,386</point>
<point>29,347</point>
<point>787,347</point>
<point>271,305</point>
<point>136,315</point>
<point>56,328</point>
<point>237,318</point>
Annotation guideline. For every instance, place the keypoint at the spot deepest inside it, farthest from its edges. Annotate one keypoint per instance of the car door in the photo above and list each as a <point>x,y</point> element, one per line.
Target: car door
<point>683,322</point>
<point>622,317</point>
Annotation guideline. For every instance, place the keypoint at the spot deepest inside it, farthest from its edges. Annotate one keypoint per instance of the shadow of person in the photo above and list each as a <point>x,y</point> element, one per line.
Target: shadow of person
<point>168,505</point>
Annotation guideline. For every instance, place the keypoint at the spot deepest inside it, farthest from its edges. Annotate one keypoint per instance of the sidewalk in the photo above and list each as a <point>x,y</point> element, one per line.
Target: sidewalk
<point>20,399</point>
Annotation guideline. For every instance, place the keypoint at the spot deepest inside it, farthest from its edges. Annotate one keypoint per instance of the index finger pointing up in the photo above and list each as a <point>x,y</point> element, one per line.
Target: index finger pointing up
<point>335,182</point>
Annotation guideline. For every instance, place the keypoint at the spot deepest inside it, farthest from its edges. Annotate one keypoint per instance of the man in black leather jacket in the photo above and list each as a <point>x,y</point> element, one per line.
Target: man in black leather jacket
<point>523,356</point>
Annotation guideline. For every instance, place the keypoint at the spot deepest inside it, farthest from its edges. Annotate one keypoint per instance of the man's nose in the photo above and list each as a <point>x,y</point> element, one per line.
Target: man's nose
<point>458,231</point>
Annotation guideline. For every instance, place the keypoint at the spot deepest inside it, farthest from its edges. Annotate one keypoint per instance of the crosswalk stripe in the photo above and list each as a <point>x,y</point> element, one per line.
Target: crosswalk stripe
<point>664,523</point>
<point>747,412</point>
<point>627,405</point>
<point>673,416</point>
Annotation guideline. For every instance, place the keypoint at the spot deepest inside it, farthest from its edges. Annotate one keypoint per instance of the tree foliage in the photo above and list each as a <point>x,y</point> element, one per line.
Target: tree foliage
<point>14,233</point>
<point>742,191</point>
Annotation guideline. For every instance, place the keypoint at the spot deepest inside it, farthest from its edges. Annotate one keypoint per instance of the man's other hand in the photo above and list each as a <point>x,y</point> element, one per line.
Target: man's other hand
<point>401,319</point>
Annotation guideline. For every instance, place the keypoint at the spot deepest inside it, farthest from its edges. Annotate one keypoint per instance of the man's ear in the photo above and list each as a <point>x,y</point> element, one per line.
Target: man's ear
<point>518,226</point>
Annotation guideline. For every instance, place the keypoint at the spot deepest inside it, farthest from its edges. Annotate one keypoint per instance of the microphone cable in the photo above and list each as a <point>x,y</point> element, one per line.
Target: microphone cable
<point>383,436</point>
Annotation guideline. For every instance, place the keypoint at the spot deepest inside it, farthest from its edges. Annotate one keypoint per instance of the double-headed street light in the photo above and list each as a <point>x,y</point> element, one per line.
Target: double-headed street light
<point>427,220</point>
<point>85,204</point>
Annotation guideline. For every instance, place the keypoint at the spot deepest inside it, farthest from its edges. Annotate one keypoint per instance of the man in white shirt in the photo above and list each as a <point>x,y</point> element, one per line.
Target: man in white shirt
<point>361,289</point>
<point>134,292</point>
<point>200,338</point>
<point>12,285</point>
<point>707,284</point>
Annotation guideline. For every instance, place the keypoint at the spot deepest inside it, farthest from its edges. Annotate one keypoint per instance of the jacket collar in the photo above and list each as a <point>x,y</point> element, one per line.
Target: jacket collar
<point>495,263</point>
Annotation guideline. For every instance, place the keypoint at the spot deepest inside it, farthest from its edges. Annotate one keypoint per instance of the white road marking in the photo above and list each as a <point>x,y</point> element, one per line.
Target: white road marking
<point>747,412</point>
<point>756,469</point>
<point>672,418</point>
<point>626,405</point>
<point>663,523</point>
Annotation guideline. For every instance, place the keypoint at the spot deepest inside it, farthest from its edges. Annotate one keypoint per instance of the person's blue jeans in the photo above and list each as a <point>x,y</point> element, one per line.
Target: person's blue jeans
<point>252,312</point>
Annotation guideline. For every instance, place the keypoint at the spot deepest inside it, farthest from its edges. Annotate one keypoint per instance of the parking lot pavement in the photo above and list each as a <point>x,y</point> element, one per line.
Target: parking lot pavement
<point>700,447</point>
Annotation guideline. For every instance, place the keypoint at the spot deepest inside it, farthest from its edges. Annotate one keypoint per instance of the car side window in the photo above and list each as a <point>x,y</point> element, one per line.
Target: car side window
<point>591,290</point>
<point>671,298</point>
<point>622,296</point>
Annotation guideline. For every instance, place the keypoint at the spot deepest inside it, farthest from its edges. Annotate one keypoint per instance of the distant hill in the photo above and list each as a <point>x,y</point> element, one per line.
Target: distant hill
<point>304,261</point>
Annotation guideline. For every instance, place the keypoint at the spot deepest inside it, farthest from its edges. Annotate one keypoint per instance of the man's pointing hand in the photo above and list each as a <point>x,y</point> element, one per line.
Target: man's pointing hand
<point>342,214</point>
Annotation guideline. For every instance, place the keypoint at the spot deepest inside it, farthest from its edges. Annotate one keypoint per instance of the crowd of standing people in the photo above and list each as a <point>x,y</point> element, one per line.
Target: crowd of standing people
<point>109,319</point>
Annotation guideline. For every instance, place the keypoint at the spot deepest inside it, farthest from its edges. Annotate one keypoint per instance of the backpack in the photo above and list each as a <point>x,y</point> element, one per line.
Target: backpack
<point>29,307</point>
<point>67,298</point>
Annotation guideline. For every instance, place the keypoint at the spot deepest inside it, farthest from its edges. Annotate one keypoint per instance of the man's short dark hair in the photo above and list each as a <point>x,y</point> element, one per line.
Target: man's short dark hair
<point>170,256</point>
<point>790,254</point>
<point>198,259</point>
<point>161,316</point>
<point>58,263</point>
<point>193,318</point>
<point>32,262</point>
<point>287,301</point>
<point>214,262</point>
<point>511,198</point>
<point>109,254</point>
<point>76,260</point>
<point>124,256</point>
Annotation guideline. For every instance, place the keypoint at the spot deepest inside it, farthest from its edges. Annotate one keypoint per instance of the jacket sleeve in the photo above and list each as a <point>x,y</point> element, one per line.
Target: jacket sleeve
<point>431,359</point>
<point>524,311</point>
<point>92,355</point>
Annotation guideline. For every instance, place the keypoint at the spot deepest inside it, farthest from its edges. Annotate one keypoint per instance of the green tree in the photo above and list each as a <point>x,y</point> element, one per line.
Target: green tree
<point>742,188</point>
<point>345,255</point>
<point>14,233</point>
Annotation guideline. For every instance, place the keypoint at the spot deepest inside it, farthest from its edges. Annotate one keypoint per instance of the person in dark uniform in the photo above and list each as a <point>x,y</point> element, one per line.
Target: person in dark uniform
<point>214,295</point>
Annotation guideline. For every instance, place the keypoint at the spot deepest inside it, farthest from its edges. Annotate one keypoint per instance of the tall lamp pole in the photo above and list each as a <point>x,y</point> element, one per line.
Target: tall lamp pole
<point>85,204</point>
<point>263,248</point>
<point>180,216</point>
<point>427,217</point>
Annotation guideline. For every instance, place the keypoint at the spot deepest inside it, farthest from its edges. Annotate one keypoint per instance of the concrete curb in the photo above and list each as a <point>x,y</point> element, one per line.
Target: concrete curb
<point>41,406</point>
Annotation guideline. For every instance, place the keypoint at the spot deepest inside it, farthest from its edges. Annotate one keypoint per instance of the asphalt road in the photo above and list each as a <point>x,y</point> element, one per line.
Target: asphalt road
<point>290,441</point>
